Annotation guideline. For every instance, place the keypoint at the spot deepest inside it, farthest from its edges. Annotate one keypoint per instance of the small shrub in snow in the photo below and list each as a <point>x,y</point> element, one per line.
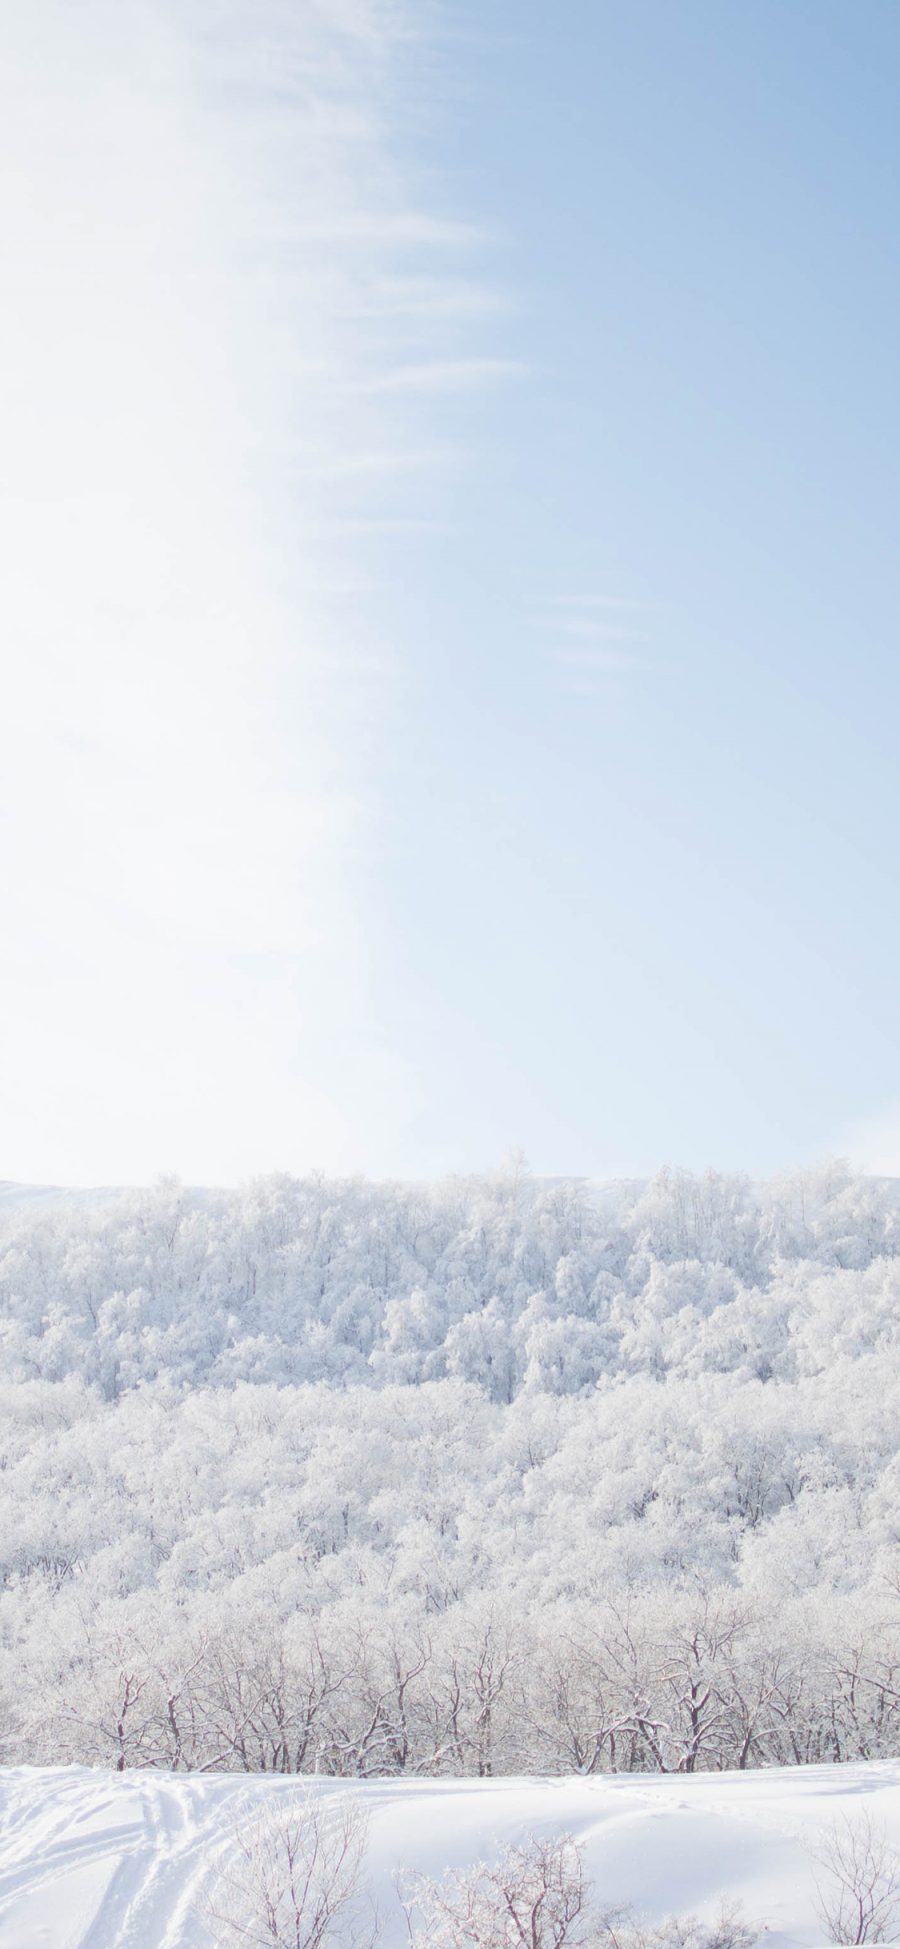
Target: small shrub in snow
<point>537,1897</point>
<point>728,1931</point>
<point>293,1880</point>
<point>859,1898</point>
<point>531,1897</point>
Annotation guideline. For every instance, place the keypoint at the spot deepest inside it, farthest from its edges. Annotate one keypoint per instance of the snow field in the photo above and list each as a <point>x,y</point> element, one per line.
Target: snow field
<point>93,1860</point>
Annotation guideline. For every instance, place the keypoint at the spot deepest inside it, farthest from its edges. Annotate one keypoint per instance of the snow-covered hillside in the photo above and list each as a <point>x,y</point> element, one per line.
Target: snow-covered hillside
<point>478,1478</point>
<point>94,1861</point>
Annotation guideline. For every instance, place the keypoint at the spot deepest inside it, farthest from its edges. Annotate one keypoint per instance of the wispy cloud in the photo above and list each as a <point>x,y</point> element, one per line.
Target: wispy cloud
<point>595,657</point>
<point>588,641</point>
<point>586,603</point>
<point>587,629</point>
<point>202,217</point>
<point>447,375</point>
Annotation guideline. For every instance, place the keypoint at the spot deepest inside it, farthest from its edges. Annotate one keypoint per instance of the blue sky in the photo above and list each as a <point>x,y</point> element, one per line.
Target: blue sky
<point>458,710</point>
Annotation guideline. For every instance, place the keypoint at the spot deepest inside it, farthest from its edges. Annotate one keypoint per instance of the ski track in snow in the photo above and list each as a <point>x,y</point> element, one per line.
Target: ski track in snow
<point>90,1860</point>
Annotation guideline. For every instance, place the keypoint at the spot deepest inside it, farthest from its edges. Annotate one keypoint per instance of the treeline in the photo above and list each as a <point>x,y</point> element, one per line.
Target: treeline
<point>664,1574</point>
<point>507,1282</point>
<point>476,1478</point>
<point>666,1681</point>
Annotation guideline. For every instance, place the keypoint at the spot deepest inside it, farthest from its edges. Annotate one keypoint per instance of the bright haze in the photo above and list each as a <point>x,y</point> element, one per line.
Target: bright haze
<point>449,596</point>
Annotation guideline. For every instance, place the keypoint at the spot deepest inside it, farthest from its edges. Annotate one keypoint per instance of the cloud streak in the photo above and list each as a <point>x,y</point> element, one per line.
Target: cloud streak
<point>588,643</point>
<point>190,382</point>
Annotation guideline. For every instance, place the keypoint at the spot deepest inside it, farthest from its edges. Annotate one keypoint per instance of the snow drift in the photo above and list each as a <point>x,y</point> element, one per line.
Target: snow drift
<point>94,1861</point>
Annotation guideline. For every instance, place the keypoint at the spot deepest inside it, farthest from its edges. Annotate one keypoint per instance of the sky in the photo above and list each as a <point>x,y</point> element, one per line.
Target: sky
<point>449,605</point>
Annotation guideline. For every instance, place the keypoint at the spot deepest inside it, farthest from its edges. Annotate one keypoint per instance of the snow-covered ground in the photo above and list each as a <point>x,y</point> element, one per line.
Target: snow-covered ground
<point>90,1860</point>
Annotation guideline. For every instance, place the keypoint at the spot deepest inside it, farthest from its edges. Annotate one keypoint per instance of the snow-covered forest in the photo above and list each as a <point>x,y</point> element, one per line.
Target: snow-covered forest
<point>490,1476</point>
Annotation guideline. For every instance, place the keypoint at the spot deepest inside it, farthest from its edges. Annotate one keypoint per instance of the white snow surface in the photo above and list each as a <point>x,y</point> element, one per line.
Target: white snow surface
<point>92,1860</point>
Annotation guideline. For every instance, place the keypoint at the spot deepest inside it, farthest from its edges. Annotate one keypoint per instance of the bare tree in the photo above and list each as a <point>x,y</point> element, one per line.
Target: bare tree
<point>860,1899</point>
<point>294,1880</point>
<point>620,1930</point>
<point>537,1897</point>
<point>531,1897</point>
